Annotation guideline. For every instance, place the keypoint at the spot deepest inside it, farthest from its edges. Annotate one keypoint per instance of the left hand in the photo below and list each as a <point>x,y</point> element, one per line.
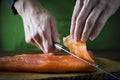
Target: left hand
<point>90,16</point>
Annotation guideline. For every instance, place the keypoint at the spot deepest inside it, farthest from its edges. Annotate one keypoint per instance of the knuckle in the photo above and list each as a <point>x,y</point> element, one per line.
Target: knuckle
<point>94,1</point>
<point>74,17</point>
<point>79,20</point>
<point>89,22</point>
<point>110,8</point>
<point>78,3</point>
<point>47,18</point>
<point>101,5</point>
<point>73,23</point>
<point>102,2</point>
<point>109,5</point>
<point>100,23</point>
<point>91,1</point>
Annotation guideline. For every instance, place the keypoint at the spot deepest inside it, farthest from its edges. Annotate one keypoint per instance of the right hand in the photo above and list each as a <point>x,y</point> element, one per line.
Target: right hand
<point>39,25</point>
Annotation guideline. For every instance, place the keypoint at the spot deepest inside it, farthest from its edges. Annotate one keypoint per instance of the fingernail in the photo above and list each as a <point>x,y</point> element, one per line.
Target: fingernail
<point>91,38</point>
<point>83,39</point>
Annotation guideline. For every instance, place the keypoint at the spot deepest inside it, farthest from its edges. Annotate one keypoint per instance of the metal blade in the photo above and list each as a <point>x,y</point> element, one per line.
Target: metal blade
<point>61,47</point>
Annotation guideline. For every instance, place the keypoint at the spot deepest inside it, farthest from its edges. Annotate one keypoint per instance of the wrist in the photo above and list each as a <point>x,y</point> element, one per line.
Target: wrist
<point>27,6</point>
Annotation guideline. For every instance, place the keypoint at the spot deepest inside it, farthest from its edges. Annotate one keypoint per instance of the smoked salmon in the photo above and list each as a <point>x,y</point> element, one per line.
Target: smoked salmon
<point>78,48</point>
<point>50,62</point>
<point>44,63</point>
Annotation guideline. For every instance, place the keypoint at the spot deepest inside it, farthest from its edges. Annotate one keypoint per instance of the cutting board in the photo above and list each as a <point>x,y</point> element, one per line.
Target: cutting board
<point>107,64</point>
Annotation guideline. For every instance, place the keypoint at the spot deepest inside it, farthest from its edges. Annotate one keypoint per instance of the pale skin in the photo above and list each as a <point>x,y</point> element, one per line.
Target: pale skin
<point>87,13</point>
<point>40,25</point>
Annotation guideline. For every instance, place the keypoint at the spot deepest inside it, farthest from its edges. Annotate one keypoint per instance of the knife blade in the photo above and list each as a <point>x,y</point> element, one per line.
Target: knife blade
<point>65,49</point>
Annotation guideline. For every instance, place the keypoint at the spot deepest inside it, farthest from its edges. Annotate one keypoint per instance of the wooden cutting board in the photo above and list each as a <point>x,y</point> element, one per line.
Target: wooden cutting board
<point>107,64</point>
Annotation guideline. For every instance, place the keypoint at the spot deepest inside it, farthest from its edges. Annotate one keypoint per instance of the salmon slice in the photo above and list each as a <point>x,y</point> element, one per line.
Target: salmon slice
<point>44,63</point>
<point>78,48</point>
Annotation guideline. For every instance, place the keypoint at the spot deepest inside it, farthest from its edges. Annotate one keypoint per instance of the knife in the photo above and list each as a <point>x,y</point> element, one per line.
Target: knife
<point>65,49</point>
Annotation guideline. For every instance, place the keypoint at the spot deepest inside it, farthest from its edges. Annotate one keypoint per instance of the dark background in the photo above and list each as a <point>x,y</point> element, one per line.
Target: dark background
<point>12,32</point>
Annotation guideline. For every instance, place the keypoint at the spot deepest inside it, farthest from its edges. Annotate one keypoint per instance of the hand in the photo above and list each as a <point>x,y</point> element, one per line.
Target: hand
<point>39,25</point>
<point>90,16</point>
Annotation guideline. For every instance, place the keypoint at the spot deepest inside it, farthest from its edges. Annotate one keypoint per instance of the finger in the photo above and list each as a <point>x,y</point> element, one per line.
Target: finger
<point>32,42</point>
<point>100,23</point>
<point>54,33</point>
<point>78,30</point>
<point>46,37</point>
<point>90,22</point>
<point>26,31</point>
<point>77,8</point>
<point>34,35</point>
<point>80,21</point>
<point>38,41</point>
<point>28,37</point>
<point>47,42</point>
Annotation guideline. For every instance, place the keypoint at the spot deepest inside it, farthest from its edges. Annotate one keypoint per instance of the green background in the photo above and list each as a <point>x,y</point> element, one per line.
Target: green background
<point>12,32</point>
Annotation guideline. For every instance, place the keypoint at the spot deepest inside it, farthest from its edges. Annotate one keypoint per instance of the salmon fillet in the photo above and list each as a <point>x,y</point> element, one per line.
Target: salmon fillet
<point>44,63</point>
<point>50,62</point>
